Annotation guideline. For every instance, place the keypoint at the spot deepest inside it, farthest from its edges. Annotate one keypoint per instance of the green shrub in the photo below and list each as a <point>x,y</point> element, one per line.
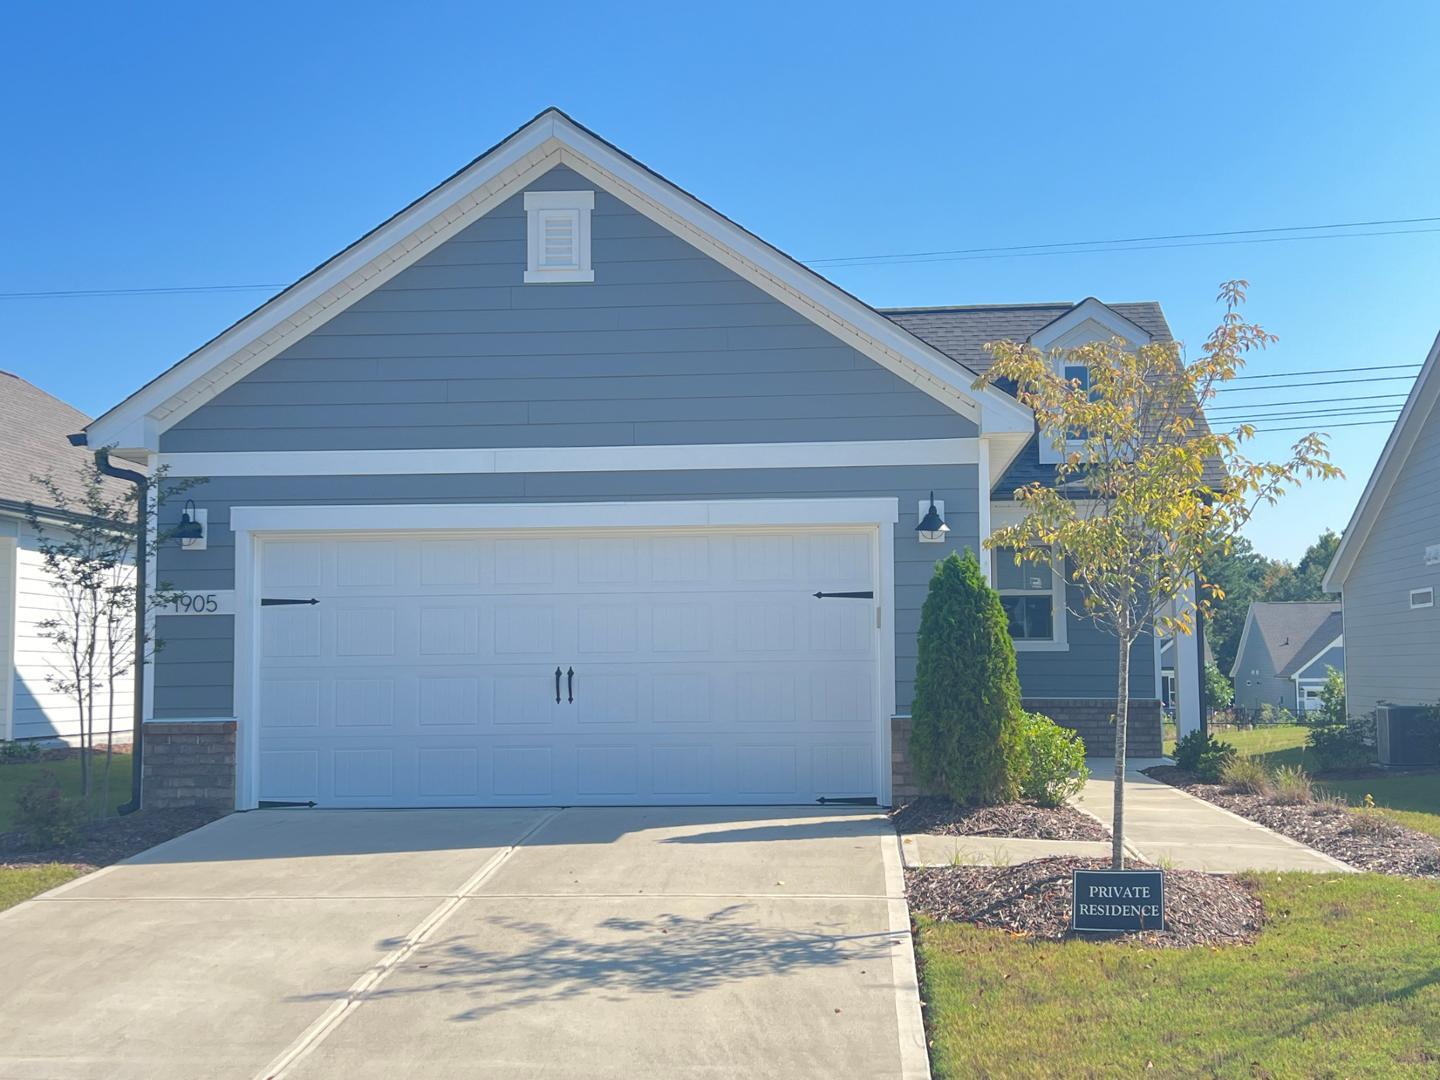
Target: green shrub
<point>1193,747</point>
<point>1276,714</point>
<point>45,814</point>
<point>965,742</point>
<point>1339,746</point>
<point>19,751</point>
<point>1291,787</point>
<point>1213,761</point>
<point>1246,775</point>
<point>1053,760</point>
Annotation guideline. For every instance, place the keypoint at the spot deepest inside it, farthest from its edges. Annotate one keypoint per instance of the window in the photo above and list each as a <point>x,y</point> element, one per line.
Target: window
<point>1032,595</point>
<point>558,236</point>
<point>1420,598</point>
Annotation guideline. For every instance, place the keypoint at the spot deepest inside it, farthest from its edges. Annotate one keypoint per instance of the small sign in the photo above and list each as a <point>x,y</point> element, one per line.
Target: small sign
<point>212,602</point>
<point>1112,901</point>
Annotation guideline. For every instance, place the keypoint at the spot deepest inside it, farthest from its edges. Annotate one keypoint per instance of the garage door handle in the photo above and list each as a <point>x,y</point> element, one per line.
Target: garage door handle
<point>570,684</point>
<point>557,686</point>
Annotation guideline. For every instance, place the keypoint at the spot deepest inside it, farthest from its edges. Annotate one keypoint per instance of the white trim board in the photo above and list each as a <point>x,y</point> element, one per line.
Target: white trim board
<point>550,139</point>
<point>797,455</point>
<point>253,525</point>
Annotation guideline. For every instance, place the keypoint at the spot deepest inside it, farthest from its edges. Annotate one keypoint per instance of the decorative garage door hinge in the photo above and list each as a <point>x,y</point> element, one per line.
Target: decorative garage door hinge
<point>267,804</point>
<point>850,800</point>
<point>271,601</point>
<point>845,595</point>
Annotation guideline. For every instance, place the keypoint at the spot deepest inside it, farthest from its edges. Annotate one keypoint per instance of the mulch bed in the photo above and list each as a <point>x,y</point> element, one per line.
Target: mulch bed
<point>1366,841</point>
<point>940,816</point>
<point>104,842</point>
<point>1034,899</point>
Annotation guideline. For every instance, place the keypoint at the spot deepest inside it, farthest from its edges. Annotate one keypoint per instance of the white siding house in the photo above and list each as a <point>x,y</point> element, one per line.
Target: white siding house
<point>33,430</point>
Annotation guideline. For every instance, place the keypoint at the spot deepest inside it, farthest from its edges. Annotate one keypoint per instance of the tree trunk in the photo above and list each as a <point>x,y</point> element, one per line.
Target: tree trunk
<point>1122,712</point>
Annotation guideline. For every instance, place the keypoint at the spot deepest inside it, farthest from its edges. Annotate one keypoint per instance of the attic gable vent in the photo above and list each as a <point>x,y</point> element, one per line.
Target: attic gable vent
<point>558,235</point>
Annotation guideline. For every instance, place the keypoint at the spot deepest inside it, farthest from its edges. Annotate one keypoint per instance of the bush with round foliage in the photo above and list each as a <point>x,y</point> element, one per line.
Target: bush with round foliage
<point>1052,759</point>
<point>965,742</point>
<point>1204,756</point>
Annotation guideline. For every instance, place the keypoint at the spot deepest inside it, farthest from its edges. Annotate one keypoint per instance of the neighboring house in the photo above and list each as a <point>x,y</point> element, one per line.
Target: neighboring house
<point>561,487</point>
<point>33,430</point>
<point>1284,651</point>
<point>1387,567</point>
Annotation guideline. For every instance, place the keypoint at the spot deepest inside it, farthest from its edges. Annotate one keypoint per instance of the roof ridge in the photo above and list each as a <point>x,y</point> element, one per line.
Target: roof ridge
<point>1027,306</point>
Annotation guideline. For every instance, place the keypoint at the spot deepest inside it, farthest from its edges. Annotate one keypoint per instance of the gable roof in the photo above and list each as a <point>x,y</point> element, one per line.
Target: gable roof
<point>34,430</point>
<point>1292,633</point>
<point>550,139</point>
<point>1318,645</point>
<point>1418,408</point>
<point>961,332</point>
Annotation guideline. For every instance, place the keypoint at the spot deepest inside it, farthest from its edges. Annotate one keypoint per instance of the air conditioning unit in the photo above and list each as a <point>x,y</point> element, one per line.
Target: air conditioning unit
<point>1407,735</point>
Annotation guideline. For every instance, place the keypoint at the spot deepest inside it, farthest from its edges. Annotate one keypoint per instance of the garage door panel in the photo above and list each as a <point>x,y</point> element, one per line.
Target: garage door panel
<point>704,669</point>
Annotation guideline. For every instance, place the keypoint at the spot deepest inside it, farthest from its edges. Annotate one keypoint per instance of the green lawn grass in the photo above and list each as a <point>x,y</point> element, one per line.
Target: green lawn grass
<point>14,776</point>
<point>1344,981</point>
<point>19,883</point>
<point>1412,799</point>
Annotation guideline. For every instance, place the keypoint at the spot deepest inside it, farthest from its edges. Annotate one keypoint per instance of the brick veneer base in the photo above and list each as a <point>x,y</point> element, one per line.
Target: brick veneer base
<point>189,765</point>
<point>1091,719</point>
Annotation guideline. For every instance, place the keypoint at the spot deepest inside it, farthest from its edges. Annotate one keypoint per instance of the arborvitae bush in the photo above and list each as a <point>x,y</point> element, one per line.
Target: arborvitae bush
<point>966,740</point>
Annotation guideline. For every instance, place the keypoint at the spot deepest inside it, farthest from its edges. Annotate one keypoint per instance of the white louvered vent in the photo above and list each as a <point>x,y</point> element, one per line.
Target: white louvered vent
<point>558,230</point>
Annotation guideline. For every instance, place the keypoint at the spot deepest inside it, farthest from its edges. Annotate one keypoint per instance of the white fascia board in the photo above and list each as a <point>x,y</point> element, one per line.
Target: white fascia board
<point>1094,310</point>
<point>1244,637</point>
<point>446,517</point>
<point>1339,641</point>
<point>1418,409</point>
<point>545,142</point>
<point>540,459</point>
<point>324,292</point>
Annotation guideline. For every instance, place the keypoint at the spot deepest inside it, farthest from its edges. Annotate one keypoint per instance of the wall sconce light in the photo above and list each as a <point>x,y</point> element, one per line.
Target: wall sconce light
<point>932,527</point>
<point>191,530</point>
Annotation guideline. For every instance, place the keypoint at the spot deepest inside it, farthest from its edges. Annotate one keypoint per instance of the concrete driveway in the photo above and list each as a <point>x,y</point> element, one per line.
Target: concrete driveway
<point>614,942</point>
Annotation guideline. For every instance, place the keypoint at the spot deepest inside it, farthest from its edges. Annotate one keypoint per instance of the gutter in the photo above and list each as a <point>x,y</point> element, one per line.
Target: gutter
<point>142,485</point>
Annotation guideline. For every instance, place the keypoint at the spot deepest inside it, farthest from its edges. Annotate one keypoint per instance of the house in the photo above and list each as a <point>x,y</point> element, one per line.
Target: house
<point>1169,688</point>
<point>561,487</point>
<point>1284,652</point>
<point>1387,567</point>
<point>33,443</point>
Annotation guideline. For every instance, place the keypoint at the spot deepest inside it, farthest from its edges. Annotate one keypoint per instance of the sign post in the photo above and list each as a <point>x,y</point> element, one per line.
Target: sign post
<point>1116,901</point>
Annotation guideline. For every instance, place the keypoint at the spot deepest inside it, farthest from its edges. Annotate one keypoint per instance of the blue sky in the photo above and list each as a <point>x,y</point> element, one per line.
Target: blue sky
<point>190,145</point>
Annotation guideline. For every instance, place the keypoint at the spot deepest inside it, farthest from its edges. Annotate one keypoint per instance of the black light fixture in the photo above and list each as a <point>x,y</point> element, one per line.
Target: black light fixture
<point>932,527</point>
<point>189,527</point>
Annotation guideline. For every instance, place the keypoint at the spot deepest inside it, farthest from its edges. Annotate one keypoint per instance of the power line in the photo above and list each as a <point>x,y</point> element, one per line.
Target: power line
<point>1335,414</point>
<point>1326,371</point>
<point>1306,401</point>
<point>1308,427</point>
<point>1310,385</point>
<point>1070,247</point>
<point>158,291</point>
<point>1126,240</point>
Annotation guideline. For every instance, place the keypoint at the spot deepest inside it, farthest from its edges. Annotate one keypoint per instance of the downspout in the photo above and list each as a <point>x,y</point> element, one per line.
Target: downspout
<point>142,542</point>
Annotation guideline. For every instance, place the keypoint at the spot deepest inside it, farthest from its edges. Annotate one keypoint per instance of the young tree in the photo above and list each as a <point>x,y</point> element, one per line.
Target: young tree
<point>87,542</point>
<point>1145,489</point>
<point>966,739</point>
<point>1219,691</point>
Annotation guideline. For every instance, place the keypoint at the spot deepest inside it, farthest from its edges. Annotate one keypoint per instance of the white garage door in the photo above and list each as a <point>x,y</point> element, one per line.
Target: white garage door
<point>493,668</point>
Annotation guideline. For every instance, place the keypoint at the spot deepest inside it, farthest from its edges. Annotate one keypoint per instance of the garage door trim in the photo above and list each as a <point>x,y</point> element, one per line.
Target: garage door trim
<point>253,525</point>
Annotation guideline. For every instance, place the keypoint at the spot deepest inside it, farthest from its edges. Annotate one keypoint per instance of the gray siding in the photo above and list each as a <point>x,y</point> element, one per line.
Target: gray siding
<point>1330,658</point>
<point>1264,687</point>
<point>1392,653</point>
<point>1089,668</point>
<point>667,346</point>
<point>194,670</point>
